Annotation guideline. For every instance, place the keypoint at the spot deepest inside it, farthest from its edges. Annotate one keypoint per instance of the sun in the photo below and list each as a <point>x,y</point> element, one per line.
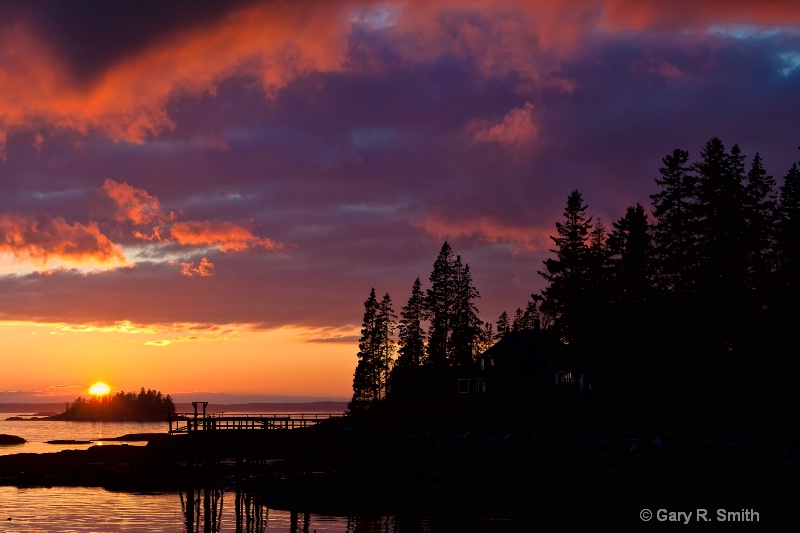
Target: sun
<point>99,389</point>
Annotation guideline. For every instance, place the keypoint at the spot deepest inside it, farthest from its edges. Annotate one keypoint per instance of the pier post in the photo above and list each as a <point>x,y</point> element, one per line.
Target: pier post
<point>195,404</point>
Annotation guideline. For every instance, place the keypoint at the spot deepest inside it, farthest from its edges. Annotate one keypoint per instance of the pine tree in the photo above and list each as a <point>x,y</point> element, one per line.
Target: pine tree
<point>466,327</point>
<point>439,305</point>
<point>411,335</point>
<point>722,245</point>
<point>599,268</point>
<point>386,325</point>
<point>568,273</point>
<point>503,326</point>
<point>760,205</point>
<point>374,353</point>
<point>675,231</point>
<point>454,326</point>
<point>631,250</point>
<point>722,223</point>
<point>529,319</point>
<point>519,320</point>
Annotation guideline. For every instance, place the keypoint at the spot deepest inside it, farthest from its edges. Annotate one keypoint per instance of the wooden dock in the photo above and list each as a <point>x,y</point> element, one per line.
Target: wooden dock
<point>203,421</point>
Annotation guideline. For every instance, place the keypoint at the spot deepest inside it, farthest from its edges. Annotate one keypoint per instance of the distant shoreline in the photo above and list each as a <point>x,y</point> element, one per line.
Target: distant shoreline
<point>213,407</point>
<point>32,408</point>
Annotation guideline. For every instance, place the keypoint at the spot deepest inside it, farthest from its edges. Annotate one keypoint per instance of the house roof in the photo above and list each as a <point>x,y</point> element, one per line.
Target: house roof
<point>525,343</point>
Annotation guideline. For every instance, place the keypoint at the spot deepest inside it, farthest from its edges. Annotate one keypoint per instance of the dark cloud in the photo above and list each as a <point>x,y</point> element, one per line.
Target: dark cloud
<point>90,35</point>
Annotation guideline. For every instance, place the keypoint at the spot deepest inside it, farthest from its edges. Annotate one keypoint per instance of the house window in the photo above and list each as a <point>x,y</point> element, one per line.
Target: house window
<point>564,377</point>
<point>471,385</point>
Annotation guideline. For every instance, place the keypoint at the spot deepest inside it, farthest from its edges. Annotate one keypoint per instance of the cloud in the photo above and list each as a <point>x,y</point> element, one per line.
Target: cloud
<point>134,204</point>
<point>347,339</point>
<point>385,117</point>
<point>516,128</point>
<point>51,83</point>
<point>47,241</point>
<point>488,229</point>
<point>204,269</point>
<point>191,338</point>
<point>623,15</point>
<point>334,335</point>
<point>664,69</point>
<point>226,236</point>
<point>271,44</point>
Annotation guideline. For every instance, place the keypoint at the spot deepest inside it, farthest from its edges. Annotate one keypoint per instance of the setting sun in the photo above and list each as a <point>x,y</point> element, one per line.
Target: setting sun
<point>99,389</point>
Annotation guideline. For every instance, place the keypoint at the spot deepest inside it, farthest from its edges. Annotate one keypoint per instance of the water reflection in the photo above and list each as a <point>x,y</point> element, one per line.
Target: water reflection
<point>206,509</point>
<point>251,513</point>
<point>203,512</point>
<point>294,524</point>
<point>202,509</point>
<point>203,506</point>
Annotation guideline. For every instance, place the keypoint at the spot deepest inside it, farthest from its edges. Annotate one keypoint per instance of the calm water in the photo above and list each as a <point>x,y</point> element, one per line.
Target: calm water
<point>38,432</point>
<point>95,510</point>
<point>91,510</point>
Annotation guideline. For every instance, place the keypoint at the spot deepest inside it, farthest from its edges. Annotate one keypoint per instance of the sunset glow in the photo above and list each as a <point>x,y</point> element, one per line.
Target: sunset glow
<point>99,389</point>
<point>200,200</point>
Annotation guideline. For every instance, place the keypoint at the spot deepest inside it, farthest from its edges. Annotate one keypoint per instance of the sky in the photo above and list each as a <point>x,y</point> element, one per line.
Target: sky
<point>198,197</point>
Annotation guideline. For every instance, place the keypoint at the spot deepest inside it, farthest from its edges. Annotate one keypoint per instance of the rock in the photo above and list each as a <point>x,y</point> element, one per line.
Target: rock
<point>7,440</point>
<point>140,437</point>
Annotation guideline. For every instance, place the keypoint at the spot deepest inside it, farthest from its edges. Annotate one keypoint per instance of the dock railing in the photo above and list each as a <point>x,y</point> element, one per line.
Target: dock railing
<point>191,422</point>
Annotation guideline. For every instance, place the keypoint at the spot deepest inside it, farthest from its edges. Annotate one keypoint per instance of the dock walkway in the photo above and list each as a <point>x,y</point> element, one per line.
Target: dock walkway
<point>203,421</point>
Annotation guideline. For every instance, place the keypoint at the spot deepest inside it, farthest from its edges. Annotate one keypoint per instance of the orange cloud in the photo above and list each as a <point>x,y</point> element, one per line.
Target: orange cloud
<point>46,241</point>
<point>204,269</point>
<point>690,14</point>
<point>516,128</point>
<point>134,204</point>
<point>272,43</point>
<point>227,236</point>
<point>520,238</point>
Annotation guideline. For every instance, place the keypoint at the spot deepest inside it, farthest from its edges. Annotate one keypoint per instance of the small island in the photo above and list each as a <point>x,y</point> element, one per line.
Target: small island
<point>146,406</point>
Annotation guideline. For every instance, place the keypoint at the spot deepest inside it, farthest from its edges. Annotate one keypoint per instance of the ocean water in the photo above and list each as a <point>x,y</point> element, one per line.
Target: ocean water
<point>92,510</point>
<point>38,432</point>
<point>96,510</point>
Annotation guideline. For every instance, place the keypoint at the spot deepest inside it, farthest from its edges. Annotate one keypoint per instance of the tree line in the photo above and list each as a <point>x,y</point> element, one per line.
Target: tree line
<point>706,279</point>
<point>453,337</point>
<point>722,239</point>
